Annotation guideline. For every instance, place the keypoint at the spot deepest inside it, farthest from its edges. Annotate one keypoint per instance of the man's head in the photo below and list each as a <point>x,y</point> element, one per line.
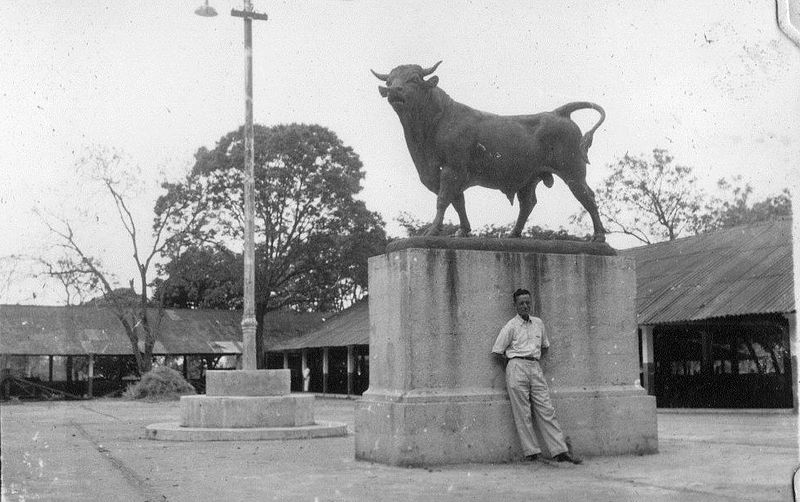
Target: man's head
<point>522,302</point>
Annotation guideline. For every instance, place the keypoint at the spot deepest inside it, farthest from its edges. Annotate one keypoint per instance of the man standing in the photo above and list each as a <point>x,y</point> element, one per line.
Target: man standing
<point>522,341</point>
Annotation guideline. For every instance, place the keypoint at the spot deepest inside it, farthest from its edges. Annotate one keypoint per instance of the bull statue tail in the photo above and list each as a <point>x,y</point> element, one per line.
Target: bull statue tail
<point>567,110</point>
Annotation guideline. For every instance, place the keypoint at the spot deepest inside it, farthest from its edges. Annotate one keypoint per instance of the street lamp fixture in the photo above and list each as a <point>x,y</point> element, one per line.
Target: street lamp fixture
<point>205,11</point>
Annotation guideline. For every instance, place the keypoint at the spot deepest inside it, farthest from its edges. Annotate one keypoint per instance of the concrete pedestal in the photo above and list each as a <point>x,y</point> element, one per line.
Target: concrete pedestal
<point>437,395</point>
<point>246,405</point>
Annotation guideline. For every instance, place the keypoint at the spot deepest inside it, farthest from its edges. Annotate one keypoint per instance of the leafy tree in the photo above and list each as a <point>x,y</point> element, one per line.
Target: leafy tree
<point>313,236</point>
<point>202,277</point>
<point>533,232</point>
<point>736,208</point>
<point>415,227</point>
<point>83,275</point>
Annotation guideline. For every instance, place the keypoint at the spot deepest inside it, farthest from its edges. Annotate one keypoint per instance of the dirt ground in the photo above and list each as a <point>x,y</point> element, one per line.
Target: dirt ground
<point>96,450</point>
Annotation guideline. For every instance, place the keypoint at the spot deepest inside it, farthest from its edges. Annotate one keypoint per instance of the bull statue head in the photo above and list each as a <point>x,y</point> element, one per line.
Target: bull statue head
<point>405,81</point>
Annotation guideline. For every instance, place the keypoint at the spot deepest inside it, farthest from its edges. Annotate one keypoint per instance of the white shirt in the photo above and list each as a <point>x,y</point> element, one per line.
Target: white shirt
<point>521,338</point>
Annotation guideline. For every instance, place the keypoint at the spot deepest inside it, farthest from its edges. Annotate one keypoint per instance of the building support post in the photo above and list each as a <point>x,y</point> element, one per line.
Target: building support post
<point>303,369</point>
<point>350,368</point>
<point>285,360</point>
<point>325,355</point>
<point>5,373</point>
<point>90,380</point>
<point>793,350</point>
<point>648,361</point>
<point>50,368</point>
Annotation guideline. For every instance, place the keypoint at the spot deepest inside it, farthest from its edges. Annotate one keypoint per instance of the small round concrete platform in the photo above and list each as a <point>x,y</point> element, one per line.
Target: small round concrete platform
<point>246,405</point>
<point>172,431</point>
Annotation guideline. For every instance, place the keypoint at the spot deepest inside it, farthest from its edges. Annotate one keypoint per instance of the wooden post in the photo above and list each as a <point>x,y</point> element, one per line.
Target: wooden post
<point>186,366</point>
<point>350,369</point>
<point>325,354</point>
<point>648,361</point>
<point>5,373</point>
<point>304,369</point>
<point>50,368</point>
<point>90,382</point>
<point>793,347</point>
<point>69,368</point>
<point>285,360</point>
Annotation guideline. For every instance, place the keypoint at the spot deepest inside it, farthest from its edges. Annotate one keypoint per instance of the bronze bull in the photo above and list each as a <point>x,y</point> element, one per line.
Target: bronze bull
<point>455,147</point>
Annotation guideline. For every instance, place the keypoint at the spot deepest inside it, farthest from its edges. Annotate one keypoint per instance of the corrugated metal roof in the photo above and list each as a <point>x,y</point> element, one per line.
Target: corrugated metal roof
<point>43,330</point>
<point>285,324</point>
<point>349,327</point>
<point>736,271</point>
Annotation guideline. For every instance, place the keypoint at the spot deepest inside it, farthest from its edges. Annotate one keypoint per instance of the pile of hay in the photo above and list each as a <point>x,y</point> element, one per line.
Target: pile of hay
<point>160,384</point>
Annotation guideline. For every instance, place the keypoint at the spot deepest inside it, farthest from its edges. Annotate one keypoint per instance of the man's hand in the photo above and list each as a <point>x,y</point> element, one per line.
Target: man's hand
<point>500,357</point>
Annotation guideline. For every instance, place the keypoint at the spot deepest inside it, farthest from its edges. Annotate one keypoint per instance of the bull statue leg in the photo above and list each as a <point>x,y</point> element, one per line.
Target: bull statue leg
<point>585,196</point>
<point>526,196</point>
<point>461,209</point>
<point>449,192</point>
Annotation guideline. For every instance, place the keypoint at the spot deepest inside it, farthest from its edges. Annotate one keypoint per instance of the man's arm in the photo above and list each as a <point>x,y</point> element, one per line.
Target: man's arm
<point>545,342</point>
<point>502,341</point>
<point>501,344</point>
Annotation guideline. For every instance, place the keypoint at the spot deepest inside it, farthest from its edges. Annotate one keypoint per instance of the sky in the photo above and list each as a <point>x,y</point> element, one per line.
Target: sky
<point>714,82</point>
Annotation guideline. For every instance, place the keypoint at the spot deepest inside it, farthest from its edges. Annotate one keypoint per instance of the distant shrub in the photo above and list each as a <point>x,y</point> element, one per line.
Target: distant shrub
<point>160,384</point>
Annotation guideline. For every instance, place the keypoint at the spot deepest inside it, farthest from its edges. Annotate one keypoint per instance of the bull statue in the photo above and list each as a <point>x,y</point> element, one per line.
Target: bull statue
<point>455,147</point>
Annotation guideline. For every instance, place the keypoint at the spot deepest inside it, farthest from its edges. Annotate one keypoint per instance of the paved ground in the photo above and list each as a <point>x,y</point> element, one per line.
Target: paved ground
<point>95,450</point>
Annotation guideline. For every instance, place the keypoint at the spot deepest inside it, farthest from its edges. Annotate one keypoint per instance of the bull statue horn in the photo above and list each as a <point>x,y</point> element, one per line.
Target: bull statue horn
<point>428,71</point>
<point>381,76</point>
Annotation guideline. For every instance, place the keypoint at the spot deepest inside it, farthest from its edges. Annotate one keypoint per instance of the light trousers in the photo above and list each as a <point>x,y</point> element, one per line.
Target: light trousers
<point>529,395</point>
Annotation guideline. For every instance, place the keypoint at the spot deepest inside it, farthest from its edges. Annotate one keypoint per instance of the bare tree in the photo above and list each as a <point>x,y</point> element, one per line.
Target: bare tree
<point>657,200</point>
<point>651,200</point>
<point>9,270</point>
<point>78,286</point>
<point>82,274</point>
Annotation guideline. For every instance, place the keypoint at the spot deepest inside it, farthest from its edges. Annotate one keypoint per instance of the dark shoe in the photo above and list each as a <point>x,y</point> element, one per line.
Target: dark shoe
<point>531,458</point>
<point>566,457</point>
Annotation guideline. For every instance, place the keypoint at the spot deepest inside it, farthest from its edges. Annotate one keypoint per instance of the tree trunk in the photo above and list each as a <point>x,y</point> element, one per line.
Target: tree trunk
<point>146,362</point>
<point>149,341</point>
<point>134,340</point>
<point>754,356</point>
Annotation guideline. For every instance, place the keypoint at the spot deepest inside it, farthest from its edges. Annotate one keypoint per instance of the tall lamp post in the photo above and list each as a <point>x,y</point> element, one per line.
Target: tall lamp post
<point>252,403</point>
<point>250,347</point>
